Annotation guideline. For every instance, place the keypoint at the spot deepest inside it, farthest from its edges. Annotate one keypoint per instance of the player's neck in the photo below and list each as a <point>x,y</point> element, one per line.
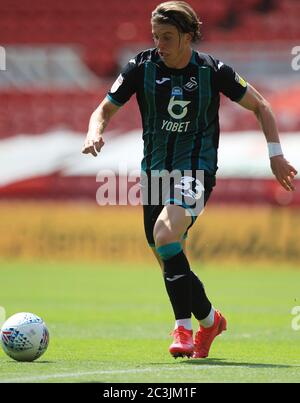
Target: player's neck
<point>182,61</point>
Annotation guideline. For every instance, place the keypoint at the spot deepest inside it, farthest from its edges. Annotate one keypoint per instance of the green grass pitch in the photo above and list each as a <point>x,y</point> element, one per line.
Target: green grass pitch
<point>111,323</point>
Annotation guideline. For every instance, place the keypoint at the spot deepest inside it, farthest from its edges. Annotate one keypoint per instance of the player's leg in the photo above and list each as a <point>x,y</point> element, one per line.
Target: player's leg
<point>168,233</point>
<point>202,308</point>
<point>211,322</point>
<point>158,258</point>
<point>160,262</point>
<point>151,213</point>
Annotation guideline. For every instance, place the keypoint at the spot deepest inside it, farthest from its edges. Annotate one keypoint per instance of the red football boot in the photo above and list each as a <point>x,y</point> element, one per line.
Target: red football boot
<point>183,343</point>
<point>205,336</point>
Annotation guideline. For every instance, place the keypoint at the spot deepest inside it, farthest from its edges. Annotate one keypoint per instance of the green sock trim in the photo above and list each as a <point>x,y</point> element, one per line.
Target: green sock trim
<point>169,250</point>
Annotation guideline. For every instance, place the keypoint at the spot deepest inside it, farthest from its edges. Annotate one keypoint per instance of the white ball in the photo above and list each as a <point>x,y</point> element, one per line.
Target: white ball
<point>24,337</point>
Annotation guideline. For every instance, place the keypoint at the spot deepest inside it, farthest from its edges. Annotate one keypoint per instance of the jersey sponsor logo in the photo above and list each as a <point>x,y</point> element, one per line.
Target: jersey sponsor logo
<point>175,126</point>
<point>163,80</point>
<point>186,185</point>
<point>117,84</point>
<point>177,91</point>
<point>181,105</point>
<point>192,85</point>
<point>240,80</point>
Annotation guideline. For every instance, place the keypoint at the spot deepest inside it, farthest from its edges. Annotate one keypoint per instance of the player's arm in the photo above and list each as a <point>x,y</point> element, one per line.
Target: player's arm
<point>98,122</point>
<point>281,168</point>
<point>121,91</point>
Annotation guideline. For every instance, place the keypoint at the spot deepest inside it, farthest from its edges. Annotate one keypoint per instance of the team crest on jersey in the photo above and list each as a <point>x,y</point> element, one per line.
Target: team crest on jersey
<point>177,91</point>
<point>192,85</point>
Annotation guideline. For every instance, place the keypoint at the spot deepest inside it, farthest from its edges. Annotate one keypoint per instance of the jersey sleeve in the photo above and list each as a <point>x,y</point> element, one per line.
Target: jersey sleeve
<point>125,85</point>
<point>230,83</point>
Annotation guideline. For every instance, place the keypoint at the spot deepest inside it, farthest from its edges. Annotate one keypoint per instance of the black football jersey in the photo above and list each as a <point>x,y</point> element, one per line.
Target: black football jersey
<point>179,108</point>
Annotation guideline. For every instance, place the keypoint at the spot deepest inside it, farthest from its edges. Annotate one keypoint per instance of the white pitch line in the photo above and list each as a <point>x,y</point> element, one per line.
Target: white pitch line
<point>123,371</point>
<point>107,372</point>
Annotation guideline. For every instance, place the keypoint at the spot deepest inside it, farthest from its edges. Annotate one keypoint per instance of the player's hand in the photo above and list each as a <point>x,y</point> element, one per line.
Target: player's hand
<point>283,171</point>
<point>93,144</point>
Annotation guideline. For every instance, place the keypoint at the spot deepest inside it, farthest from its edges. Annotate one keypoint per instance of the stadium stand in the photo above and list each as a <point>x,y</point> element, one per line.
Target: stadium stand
<point>93,35</point>
<point>100,30</point>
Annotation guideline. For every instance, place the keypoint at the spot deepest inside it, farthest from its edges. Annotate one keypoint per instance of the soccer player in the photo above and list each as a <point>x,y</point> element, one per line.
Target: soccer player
<point>178,93</point>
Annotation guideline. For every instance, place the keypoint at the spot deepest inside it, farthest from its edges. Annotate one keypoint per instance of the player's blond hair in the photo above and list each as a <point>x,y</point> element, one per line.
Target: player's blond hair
<point>181,15</point>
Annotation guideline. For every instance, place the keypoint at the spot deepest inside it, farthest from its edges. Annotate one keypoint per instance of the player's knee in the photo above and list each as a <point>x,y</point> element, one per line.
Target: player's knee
<point>163,235</point>
<point>163,239</point>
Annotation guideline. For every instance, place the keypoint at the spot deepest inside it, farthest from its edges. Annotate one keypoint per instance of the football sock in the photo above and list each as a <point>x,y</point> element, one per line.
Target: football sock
<point>209,320</point>
<point>186,323</point>
<point>167,251</point>
<point>201,306</point>
<point>177,279</point>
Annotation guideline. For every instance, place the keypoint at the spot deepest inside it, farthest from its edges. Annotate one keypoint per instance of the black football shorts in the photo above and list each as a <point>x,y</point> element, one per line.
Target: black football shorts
<point>186,189</point>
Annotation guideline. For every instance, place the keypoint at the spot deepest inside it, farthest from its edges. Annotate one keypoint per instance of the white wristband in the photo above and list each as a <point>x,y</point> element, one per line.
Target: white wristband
<point>274,149</point>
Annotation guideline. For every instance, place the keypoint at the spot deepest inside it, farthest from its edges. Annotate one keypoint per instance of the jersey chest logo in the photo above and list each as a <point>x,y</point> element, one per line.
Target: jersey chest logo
<point>178,114</point>
<point>163,80</point>
<point>192,85</point>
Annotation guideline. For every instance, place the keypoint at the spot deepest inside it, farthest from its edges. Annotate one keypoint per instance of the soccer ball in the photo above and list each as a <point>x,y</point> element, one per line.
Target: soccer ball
<point>24,337</point>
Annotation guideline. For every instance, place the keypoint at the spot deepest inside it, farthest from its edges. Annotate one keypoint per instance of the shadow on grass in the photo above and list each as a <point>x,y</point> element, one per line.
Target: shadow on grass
<point>225,363</point>
<point>217,362</point>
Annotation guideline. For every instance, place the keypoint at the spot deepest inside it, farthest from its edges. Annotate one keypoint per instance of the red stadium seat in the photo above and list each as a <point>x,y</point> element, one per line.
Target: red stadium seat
<point>74,21</point>
<point>103,28</point>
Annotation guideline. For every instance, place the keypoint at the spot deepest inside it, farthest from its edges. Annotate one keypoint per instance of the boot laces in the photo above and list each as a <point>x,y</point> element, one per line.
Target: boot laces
<point>181,335</point>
